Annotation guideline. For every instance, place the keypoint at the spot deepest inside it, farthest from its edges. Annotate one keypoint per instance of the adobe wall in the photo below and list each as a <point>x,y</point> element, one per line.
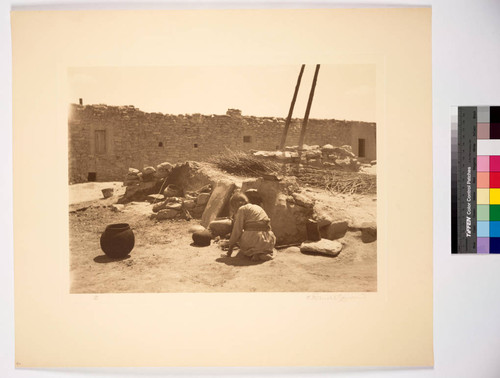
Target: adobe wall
<point>369,134</point>
<point>137,139</point>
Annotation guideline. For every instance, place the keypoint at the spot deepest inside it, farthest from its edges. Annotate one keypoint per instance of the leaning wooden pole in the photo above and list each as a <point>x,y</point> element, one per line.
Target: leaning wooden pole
<point>290,112</point>
<point>308,109</point>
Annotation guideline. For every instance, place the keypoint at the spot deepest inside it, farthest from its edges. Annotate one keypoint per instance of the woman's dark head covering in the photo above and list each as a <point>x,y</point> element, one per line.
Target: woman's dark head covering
<point>254,197</point>
<point>238,199</point>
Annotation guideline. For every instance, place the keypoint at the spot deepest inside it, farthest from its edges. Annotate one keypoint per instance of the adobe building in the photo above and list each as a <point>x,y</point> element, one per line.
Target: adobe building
<point>104,141</point>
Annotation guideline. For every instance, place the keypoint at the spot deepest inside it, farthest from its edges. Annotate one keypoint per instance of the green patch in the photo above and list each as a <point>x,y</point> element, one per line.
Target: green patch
<point>494,213</point>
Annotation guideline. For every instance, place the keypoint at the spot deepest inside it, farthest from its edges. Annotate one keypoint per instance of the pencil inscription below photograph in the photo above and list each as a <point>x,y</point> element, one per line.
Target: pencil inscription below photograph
<point>223,179</point>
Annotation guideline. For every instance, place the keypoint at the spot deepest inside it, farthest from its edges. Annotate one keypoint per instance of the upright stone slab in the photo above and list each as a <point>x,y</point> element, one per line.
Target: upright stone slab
<point>288,219</point>
<point>335,230</point>
<point>218,200</point>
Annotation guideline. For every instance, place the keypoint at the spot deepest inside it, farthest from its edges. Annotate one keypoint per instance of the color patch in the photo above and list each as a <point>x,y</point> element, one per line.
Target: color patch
<point>495,212</point>
<point>494,180</point>
<point>494,130</point>
<point>483,229</point>
<point>483,163</point>
<point>495,229</point>
<point>495,163</point>
<point>494,113</point>
<point>494,196</point>
<point>483,180</point>
<point>483,196</point>
<point>483,245</point>
<point>483,131</point>
<point>483,212</point>
<point>494,245</point>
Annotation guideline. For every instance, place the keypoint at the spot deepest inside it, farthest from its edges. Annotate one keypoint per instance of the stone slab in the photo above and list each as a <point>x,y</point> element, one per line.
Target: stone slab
<point>335,230</point>
<point>323,247</point>
<point>167,214</point>
<point>203,198</point>
<point>368,232</point>
<point>154,198</point>
<point>218,200</point>
<point>189,204</point>
<point>221,227</point>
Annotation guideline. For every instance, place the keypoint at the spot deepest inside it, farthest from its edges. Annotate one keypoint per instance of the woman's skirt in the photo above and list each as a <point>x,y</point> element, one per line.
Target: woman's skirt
<point>255,242</point>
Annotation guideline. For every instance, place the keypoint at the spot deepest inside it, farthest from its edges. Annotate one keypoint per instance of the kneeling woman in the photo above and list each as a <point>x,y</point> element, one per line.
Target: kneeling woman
<point>251,230</point>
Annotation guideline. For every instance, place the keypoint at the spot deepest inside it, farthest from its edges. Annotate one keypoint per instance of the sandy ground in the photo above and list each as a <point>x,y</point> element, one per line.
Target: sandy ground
<point>92,191</point>
<point>163,259</point>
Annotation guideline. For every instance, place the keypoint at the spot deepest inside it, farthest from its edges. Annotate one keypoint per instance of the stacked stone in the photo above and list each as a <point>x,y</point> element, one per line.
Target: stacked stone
<point>316,155</point>
<point>148,174</point>
<point>199,205</point>
<point>340,156</point>
<point>169,209</point>
<point>142,185</point>
<point>191,205</point>
<point>337,152</point>
<point>163,170</point>
<point>134,177</point>
<point>305,148</point>
<point>310,154</point>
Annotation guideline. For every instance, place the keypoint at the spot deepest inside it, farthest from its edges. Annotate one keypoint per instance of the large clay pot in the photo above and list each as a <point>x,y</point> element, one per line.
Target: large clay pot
<point>117,240</point>
<point>202,238</point>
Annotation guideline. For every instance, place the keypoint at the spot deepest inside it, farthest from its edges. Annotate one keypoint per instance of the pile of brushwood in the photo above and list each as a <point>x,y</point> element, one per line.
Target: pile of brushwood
<point>346,182</point>
<point>343,182</point>
<point>244,164</point>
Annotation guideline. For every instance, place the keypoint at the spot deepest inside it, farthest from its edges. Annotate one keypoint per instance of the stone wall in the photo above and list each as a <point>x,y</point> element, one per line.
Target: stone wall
<point>369,135</point>
<point>107,140</point>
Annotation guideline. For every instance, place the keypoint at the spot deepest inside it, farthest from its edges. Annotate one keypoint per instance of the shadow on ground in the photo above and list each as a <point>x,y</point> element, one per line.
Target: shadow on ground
<point>238,261</point>
<point>103,259</point>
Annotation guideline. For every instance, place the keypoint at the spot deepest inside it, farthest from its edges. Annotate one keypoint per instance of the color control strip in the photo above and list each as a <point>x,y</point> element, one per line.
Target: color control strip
<point>475,180</point>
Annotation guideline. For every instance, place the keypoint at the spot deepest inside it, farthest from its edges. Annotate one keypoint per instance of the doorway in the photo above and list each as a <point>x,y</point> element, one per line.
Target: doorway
<point>361,148</point>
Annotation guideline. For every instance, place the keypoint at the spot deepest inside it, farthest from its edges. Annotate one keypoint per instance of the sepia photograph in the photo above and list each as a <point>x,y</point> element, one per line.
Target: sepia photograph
<point>179,173</point>
<point>223,178</point>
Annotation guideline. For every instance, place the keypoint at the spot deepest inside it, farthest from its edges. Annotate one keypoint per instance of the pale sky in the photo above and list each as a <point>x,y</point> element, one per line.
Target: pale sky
<point>342,91</point>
